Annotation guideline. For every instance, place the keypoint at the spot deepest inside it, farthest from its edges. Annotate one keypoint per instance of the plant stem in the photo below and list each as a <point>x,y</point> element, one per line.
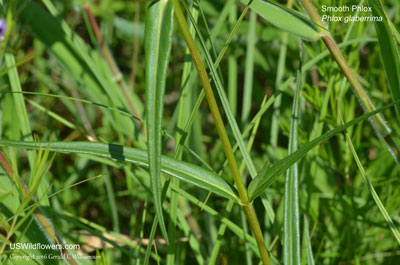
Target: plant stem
<point>248,207</point>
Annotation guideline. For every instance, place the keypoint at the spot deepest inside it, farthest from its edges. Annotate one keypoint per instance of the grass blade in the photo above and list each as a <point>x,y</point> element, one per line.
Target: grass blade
<point>270,173</point>
<point>249,67</point>
<point>389,51</point>
<point>19,102</point>
<point>187,172</point>
<point>371,189</point>
<point>285,19</point>
<point>158,31</point>
<point>22,114</point>
<point>291,226</point>
<point>307,243</point>
<point>232,69</point>
<point>278,82</point>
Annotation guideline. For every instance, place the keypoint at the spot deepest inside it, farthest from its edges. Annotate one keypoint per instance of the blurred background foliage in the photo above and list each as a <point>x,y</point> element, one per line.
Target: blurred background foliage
<point>58,54</point>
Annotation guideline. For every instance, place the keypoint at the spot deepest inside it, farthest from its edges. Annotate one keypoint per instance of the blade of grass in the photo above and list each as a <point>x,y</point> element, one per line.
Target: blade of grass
<point>307,243</point>
<point>371,189</point>
<point>20,108</point>
<point>389,51</point>
<point>232,68</point>
<point>249,67</point>
<point>154,226</point>
<point>375,196</point>
<point>52,114</point>
<point>278,83</point>
<point>221,19</point>
<point>395,31</point>
<point>269,173</point>
<point>122,112</point>
<point>247,246</point>
<point>277,102</point>
<point>158,37</point>
<point>185,219</point>
<point>111,199</point>
<point>291,225</point>
<point>22,114</point>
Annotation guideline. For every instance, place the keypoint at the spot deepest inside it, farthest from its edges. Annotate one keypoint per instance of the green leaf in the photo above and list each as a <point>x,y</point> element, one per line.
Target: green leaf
<point>195,175</point>
<point>291,225</point>
<point>285,19</point>
<point>269,173</point>
<point>389,51</point>
<point>19,106</point>
<point>158,31</point>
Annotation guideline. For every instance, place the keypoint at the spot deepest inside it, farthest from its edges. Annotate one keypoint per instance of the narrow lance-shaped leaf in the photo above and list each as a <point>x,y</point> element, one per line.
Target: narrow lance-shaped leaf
<point>19,102</point>
<point>195,175</point>
<point>389,51</point>
<point>269,173</point>
<point>307,244</point>
<point>291,226</point>
<point>158,31</point>
<point>249,67</point>
<point>374,195</point>
<point>285,19</point>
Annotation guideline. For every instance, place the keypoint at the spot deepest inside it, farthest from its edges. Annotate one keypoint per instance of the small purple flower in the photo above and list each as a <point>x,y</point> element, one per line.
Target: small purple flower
<point>3,28</point>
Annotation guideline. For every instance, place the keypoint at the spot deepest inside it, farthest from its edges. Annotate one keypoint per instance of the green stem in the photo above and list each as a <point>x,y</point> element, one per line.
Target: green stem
<point>248,207</point>
<point>211,100</point>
